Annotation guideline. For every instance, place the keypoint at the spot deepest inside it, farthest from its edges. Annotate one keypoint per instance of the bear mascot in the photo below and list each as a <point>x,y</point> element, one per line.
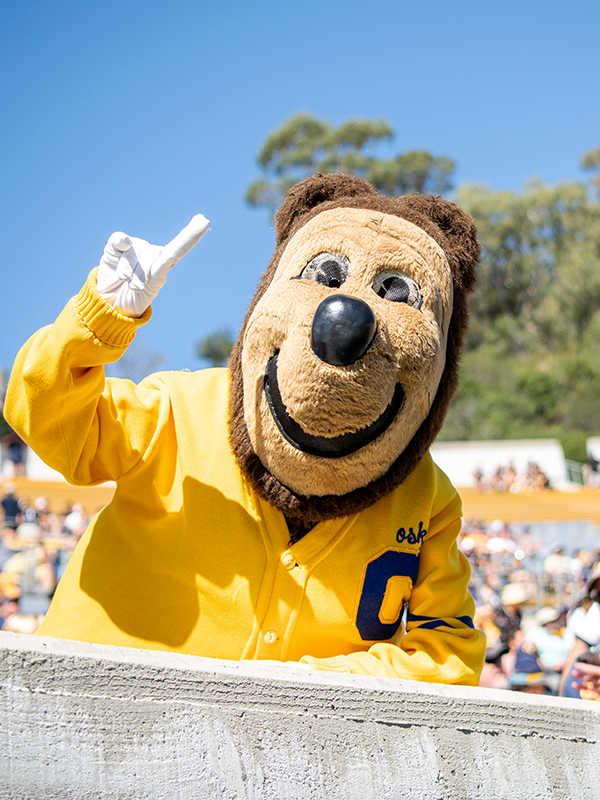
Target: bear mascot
<point>285,508</point>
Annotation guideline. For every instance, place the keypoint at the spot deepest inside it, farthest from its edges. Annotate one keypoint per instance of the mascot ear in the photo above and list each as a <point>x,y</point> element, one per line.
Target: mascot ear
<point>459,229</point>
<point>312,191</point>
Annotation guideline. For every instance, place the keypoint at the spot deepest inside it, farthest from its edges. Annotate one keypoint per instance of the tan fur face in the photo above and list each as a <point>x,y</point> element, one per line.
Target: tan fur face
<point>328,401</point>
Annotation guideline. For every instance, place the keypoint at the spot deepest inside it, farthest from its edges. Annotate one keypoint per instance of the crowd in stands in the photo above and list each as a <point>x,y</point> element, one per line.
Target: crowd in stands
<point>538,607</point>
<point>35,548</point>
<point>506,479</point>
<point>590,473</point>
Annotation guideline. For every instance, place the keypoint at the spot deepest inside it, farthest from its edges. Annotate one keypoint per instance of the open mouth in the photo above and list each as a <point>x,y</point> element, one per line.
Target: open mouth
<point>336,446</point>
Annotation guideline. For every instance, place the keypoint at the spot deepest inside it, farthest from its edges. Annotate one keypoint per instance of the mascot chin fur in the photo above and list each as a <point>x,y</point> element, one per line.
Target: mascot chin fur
<point>286,508</point>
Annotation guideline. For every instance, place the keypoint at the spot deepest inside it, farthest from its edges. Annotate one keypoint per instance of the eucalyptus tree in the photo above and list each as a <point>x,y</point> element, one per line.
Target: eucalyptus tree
<point>304,145</point>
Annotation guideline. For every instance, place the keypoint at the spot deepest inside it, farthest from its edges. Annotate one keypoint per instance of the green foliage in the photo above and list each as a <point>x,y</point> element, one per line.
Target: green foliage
<point>216,347</point>
<point>532,362</point>
<point>536,257</point>
<point>304,145</point>
<point>591,163</point>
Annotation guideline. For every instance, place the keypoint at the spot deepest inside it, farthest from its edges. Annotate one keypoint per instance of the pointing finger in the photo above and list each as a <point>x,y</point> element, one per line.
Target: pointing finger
<point>181,244</point>
<point>117,244</point>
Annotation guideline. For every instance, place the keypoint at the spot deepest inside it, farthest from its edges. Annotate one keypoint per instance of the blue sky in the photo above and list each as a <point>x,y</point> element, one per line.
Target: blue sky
<point>135,116</point>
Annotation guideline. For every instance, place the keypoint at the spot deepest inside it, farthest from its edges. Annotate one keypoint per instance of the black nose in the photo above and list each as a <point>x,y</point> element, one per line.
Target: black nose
<point>342,331</point>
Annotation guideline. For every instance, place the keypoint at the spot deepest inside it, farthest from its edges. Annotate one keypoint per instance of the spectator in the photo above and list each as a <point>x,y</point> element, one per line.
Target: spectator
<point>63,514</point>
<point>509,477</point>
<point>507,615</point>
<point>587,679</point>
<point>8,546</point>
<point>28,512</point>
<point>42,510</point>
<point>509,659</point>
<point>557,563</point>
<point>558,569</point>
<point>546,635</point>
<point>31,571</point>
<point>23,623</point>
<point>529,673</point>
<point>586,631</point>
<point>587,564</point>
<point>590,472</point>
<point>10,506</point>
<point>493,675</point>
<point>9,598</point>
<point>529,545</point>
<point>76,521</point>
<point>479,480</point>
<point>74,526</point>
<point>506,479</point>
<point>497,479</point>
<point>15,451</point>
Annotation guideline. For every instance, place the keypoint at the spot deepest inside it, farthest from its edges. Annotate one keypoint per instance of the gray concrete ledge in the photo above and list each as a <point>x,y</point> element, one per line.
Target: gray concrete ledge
<point>88,721</point>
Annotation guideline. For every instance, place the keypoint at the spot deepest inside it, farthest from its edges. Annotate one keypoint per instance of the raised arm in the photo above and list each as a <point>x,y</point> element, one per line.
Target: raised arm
<point>58,399</point>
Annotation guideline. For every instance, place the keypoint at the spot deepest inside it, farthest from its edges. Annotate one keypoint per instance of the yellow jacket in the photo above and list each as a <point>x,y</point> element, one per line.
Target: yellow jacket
<point>188,557</point>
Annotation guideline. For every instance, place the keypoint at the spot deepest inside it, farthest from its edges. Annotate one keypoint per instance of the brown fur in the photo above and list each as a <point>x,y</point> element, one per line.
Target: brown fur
<point>454,230</point>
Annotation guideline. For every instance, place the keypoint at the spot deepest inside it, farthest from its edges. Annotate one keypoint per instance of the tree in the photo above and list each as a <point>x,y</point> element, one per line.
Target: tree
<point>216,347</point>
<point>591,163</point>
<point>532,366</point>
<point>539,277</point>
<point>537,245</point>
<point>304,145</point>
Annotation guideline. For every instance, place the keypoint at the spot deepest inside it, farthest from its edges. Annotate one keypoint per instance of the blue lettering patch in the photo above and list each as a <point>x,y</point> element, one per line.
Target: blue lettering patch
<point>411,537</point>
<point>389,564</point>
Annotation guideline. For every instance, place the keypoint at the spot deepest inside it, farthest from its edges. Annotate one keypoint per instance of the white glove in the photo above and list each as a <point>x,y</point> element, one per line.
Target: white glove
<point>132,272</point>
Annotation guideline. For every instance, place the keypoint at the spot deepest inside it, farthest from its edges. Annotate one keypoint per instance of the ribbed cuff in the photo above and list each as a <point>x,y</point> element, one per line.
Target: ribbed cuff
<point>99,317</point>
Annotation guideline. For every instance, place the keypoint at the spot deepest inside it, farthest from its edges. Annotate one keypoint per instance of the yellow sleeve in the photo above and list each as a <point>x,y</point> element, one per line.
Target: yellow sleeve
<point>440,644</point>
<point>89,428</point>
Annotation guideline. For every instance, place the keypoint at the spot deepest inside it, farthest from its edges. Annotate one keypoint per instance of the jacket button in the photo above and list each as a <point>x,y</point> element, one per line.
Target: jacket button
<point>288,561</point>
<point>271,637</point>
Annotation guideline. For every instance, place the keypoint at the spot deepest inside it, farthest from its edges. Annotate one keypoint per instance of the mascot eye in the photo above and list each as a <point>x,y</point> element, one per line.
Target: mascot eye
<point>398,288</point>
<point>330,269</point>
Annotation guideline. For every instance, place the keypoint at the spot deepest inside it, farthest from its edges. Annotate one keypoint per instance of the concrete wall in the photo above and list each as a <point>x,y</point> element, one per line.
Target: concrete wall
<point>87,721</point>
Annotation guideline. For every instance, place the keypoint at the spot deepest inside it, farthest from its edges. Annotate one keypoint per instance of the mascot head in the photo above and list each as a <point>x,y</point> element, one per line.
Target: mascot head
<point>348,356</point>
